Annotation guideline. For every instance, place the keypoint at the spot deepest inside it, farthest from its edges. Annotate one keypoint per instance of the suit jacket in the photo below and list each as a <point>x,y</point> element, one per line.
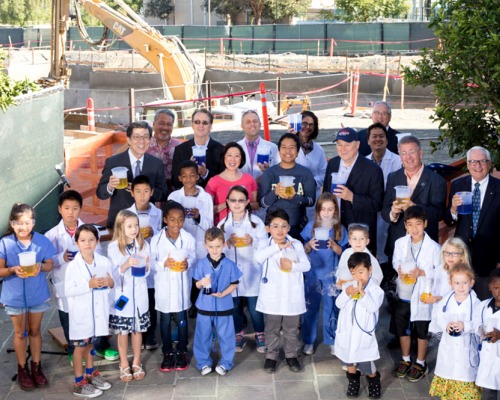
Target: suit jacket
<point>366,181</point>
<point>121,199</point>
<point>365,149</point>
<point>430,194</point>
<point>184,152</point>
<point>485,246</point>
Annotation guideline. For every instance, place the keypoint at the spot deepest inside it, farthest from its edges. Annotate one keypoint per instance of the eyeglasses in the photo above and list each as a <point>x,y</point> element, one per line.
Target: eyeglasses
<point>452,254</point>
<point>381,113</point>
<point>198,122</point>
<point>17,223</point>
<point>239,201</point>
<point>137,138</point>
<point>408,153</point>
<point>477,162</point>
<point>308,124</point>
<point>278,226</point>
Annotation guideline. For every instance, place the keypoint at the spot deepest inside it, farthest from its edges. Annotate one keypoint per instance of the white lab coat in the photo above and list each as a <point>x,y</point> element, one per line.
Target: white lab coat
<point>244,257</point>
<point>390,162</point>
<point>205,205</point>
<point>457,357</point>
<point>134,288</point>
<point>488,373</point>
<point>428,259</point>
<point>172,289</point>
<point>344,274</point>
<point>283,294</point>
<point>253,169</point>
<point>88,308</point>
<point>352,345</point>
<point>61,240</point>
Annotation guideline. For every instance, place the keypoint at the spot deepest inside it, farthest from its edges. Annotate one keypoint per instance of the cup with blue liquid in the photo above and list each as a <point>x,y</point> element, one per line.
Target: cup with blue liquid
<point>337,179</point>
<point>455,318</point>
<point>200,155</point>
<point>189,203</point>
<point>263,153</point>
<point>295,121</point>
<point>322,235</point>
<point>72,250</point>
<point>466,206</point>
<point>139,270</point>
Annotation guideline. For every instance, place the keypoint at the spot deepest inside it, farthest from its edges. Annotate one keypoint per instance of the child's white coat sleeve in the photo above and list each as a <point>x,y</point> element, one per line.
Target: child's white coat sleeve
<point>266,252</point>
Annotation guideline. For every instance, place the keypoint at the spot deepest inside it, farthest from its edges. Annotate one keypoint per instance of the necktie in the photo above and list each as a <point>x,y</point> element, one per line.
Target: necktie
<point>137,169</point>
<point>476,207</point>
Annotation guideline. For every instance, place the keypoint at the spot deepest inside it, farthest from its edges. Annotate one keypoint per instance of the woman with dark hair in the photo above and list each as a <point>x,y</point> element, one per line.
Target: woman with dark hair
<point>311,155</point>
<point>233,158</point>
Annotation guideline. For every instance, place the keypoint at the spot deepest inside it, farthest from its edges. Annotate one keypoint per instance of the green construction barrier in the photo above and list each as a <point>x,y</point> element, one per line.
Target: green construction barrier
<point>398,32</point>
<point>38,37</point>
<point>242,32</point>
<point>16,36</point>
<point>263,32</point>
<point>348,36</point>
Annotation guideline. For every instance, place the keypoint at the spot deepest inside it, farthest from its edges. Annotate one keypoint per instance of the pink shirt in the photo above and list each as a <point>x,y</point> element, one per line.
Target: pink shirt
<point>164,153</point>
<point>219,188</point>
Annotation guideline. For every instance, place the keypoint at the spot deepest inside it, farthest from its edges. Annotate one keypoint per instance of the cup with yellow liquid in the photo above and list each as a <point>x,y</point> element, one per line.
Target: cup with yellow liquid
<point>239,238</point>
<point>144,225</point>
<point>427,293</point>
<point>287,183</point>
<point>355,285</point>
<point>290,253</point>
<point>27,261</point>
<point>178,256</point>
<point>406,269</point>
<point>403,194</point>
<point>121,174</point>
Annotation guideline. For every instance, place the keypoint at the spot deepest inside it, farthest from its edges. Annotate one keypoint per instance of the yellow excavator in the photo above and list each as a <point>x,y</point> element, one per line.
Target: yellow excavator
<point>180,74</point>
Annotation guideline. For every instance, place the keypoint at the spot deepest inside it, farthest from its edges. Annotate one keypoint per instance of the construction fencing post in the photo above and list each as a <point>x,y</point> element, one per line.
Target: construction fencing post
<point>355,90</point>
<point>90,114</point>
<point>263,99</point>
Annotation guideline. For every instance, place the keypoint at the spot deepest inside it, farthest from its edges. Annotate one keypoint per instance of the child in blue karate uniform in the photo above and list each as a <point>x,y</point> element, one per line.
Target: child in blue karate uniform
<point>218,277</point>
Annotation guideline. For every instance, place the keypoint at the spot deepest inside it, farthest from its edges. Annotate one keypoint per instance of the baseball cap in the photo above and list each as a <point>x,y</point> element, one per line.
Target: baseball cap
<point>347,135</point>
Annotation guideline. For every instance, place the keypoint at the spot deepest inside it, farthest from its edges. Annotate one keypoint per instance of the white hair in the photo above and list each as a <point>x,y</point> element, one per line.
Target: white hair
<point>486,152</point>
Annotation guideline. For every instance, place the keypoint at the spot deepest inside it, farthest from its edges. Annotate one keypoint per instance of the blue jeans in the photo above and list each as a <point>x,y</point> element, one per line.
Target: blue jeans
<point>166,333</point>
<point>256,316</point>
<point>64,319</point>
<point>317,290</point>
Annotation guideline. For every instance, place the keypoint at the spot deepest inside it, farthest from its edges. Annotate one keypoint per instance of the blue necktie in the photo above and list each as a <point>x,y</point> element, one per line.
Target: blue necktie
<point>137,169</point>
<point>476,207</point>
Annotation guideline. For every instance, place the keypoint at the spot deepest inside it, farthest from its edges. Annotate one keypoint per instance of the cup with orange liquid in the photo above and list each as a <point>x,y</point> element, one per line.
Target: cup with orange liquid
<point>239,238</point>
<point>403,194</point>
<point>287,183</point>
<point>406,269</point>
<point>121,174</point>
<point>144,225</point>
<point>179,257</point>
<point>27,261</point>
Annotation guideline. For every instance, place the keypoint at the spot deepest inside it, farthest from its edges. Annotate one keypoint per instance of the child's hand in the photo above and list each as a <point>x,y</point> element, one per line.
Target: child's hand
<point>494,335</point>
<point>168,262</point>
<point>108,281</point>
<point>205,281</point>
<point>459,326</point>
<point>133,261</point>
<point>313,244</point>
<point>94,282</point>
<point>450,327</point>
<point>218,294</point>
<point>230,241</point>
<point>195,213</point>
<point>360,289</point>
<point>400,272</point>
<point>351,290</point>
<point>278,190</point>
<point>248,240</point>
<point>68,256</point>
<point>332,244</point>
<point>285,264</point>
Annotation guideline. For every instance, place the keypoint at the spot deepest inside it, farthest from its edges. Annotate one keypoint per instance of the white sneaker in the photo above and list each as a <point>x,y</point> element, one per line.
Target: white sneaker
<point>332,349</point>
<point>308,349</point>
<point>205,370</point>
<point>221,370</point>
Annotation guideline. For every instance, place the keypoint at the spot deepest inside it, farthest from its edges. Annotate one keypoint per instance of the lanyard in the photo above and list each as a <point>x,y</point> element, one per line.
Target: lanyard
<point>415,258</point>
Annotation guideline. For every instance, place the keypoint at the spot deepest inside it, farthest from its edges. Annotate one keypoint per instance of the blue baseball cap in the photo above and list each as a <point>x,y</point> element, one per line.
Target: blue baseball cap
<point>347,135</point>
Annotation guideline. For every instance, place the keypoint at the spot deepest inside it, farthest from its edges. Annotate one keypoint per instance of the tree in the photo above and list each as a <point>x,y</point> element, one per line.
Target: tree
<point>369,10</point>
<point>223,8</point>
<point>283,9</point>
<point>24,12</point>
<point>465,72</point>
<point>159,9</point>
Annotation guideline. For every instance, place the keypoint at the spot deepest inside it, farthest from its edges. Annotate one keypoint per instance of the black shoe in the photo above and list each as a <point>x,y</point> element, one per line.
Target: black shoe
<point>394,344</point>
<point>293,364</point>
<point>181,361</point>
<point>168,362</point>
<point>270,366</point>
<point>151,343</point>
<point>354,384</point>
<point>192,311</point>
<point>374,388</point>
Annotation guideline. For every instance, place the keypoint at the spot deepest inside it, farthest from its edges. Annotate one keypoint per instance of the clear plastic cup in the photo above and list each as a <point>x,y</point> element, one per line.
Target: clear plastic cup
<point>322,235</point>
<point>200,155</point>
<point>27,261</point>
<point>337,179</point>
<point>403,194</point>
<point>466,206</point>
<point>121,174</point>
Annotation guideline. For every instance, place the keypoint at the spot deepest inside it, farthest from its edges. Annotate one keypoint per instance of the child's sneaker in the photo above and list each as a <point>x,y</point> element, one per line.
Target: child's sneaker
<point>308,349</point>
<point>240,343</point>
<point>417,372</point>
<point>108,354</point>
<point>221,370</point>
<point>70,358</point>
<point>332,349</point>
<point>205,370</point>
<point>181,361</point>
<point>85,389</point>
<point>96,380</point>
<point>168,362</point>
<point>260,339</point>
<point>402,369</point>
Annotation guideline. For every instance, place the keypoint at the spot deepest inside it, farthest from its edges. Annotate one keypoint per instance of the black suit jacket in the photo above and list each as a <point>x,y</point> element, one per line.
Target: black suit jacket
<point>365,149</point>
<point>184,152</point>
<point>121,199</point>
<point>366,181</point>
<point>485,246</point>
<point>430,194</point>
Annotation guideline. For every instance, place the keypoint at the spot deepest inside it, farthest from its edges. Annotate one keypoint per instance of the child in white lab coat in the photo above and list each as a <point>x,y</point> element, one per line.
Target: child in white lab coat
<point>487,323</point>
<point>281,293</point>
<point>355,342</point>
<point>87,284</point>
<point>129,254</point>
<point>245,235</point>
<point>457,359</point>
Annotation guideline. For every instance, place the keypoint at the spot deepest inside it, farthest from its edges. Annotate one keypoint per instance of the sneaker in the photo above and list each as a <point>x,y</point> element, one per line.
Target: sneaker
<point>181,361</point>
<point>417,372</point>
<point>85,389</point>
<point>221,370</point>
<point>96,380</point>
<point>270,366</point>
<point>151,343</point>
<point>332,349</point>
<point>168,362</point>
<point>402,369</point>
<point>205,370</point>
<point>240,343</point>
<point>293,364</point>
<point>70,358</point>
<point>108,354</point>
<point>260,339</point>
<point>308,349</point>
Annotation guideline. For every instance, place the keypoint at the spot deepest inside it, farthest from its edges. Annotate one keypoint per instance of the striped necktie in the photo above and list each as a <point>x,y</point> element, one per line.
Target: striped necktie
<point>476,207</point>
<point>137,169</point>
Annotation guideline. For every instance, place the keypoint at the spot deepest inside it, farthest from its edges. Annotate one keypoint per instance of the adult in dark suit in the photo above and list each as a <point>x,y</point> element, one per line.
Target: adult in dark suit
<point>362,195</point>
<point>202,121</point>
<point>428,191</point>
<point>484,244</point>
<point>381,113</point>
<point>138,138</point>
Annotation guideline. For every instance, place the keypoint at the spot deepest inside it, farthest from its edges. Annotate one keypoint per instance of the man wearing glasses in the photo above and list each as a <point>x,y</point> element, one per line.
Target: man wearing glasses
<point>480,228</point>
<point>381,113</point>
<point>138,162</point>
